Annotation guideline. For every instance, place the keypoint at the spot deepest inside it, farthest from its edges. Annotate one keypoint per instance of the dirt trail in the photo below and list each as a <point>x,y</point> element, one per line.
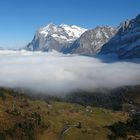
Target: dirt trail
<point>66,129</point>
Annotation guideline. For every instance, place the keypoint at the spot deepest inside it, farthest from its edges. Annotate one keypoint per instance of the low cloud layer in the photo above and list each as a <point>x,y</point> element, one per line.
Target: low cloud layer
<point>56,73</point>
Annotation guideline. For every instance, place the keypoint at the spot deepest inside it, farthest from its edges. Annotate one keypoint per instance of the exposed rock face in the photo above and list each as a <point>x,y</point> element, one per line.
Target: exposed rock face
<point>123,41</point>
<point>91,41</point>
<point>126,43</point>
<point>54,37</point>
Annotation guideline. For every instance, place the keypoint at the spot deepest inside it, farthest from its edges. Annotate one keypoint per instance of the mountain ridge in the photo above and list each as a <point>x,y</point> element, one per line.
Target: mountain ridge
<point>122,41</point>
<point>91,41</point>
<point>126,43</point>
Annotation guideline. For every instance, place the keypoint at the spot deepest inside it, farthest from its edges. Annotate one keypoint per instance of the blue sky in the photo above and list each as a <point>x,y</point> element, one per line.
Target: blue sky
<point>19,19</point>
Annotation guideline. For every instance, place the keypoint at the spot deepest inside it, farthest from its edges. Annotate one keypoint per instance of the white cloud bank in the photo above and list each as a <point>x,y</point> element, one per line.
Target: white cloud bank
<point>57,73</point>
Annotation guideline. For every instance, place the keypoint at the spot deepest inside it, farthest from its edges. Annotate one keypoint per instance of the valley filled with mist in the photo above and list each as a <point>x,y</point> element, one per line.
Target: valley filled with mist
<point>56,73</point>
<point>69,70</point>
<point>55,96</point>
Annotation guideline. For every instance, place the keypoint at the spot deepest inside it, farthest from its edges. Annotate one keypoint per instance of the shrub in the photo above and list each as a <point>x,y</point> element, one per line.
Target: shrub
<point>2,136</point>
<point>2,95</point>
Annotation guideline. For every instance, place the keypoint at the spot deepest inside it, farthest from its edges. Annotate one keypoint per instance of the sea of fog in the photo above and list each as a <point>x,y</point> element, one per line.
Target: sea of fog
<point>53,72</point>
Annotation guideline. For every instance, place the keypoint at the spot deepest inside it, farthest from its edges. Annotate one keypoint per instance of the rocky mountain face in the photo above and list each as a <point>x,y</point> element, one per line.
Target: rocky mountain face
<point>71,39</point>
<point>91,41</point>
<point>126,43</point>
<point>123,41</point>
<point>54,37</point>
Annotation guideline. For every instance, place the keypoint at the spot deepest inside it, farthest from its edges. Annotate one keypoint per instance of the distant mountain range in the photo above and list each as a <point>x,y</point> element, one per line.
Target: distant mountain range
<point>124,41</point>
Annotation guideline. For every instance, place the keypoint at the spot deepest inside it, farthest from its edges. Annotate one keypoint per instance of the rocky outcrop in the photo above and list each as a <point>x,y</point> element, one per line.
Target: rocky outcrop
<point>126,43</point>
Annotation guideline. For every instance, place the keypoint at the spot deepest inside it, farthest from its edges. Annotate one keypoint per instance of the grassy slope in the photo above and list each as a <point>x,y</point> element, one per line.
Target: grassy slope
<point>55,116</point>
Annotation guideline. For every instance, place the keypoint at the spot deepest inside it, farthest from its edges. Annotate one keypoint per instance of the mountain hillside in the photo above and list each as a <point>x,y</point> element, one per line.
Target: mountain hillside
<point>91,41</point>
<point>127,97</point>
<point>126,43</point>
<point>24,118</point>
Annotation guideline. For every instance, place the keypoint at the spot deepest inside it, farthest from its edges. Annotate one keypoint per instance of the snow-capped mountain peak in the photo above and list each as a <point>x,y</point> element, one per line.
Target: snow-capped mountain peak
<point>47,30</point>
<point>55,37</point>
<point>63,31</point>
